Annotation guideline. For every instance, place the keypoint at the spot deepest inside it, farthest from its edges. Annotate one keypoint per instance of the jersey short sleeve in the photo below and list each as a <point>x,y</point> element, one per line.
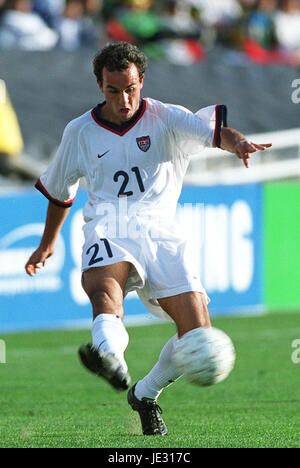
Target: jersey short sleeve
<point>216,118</point>
<point>60,181</point>
<point>194,132</point>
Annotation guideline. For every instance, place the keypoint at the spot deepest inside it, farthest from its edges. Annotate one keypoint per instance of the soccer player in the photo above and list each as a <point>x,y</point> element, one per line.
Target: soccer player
<point>133,153</point>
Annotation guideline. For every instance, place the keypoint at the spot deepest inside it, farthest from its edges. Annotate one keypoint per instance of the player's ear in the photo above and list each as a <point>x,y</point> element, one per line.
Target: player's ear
<point>100,85</point>
<point>142,80</point>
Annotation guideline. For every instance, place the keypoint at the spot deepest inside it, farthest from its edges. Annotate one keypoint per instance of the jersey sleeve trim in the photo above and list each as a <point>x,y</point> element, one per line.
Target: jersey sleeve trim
<point>221,121</point>
<point>39,186</point>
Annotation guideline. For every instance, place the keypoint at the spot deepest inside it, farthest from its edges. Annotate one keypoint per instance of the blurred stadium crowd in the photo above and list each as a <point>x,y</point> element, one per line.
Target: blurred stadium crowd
<point>181,31</point>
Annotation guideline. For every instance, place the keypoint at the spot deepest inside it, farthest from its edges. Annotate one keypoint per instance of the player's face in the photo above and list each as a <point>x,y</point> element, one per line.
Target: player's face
<point>122,91</point>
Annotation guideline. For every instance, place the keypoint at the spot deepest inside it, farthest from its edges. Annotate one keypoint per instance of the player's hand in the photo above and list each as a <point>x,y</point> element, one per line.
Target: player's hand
<point>244,148</point>
<point>37,261</point>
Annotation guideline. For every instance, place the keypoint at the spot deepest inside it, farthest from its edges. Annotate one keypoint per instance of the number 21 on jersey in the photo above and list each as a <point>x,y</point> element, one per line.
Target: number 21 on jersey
<point>125,181</point>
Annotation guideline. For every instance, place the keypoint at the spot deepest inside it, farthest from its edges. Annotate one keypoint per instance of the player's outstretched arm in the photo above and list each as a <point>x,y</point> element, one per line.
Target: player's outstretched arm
<point>56,216</point>
<point>235,142</point>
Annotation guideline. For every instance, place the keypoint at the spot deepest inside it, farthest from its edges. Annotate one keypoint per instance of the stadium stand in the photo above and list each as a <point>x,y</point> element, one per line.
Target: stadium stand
<point>243,53</point>
<point>54,88</point>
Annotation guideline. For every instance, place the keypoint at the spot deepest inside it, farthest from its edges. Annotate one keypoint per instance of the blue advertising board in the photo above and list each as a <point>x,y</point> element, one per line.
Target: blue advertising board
<point>224,226</point>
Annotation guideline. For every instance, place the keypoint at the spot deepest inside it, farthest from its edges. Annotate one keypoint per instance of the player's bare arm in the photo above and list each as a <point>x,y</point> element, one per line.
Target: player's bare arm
<point>235,142</point>
<point>56,216</point>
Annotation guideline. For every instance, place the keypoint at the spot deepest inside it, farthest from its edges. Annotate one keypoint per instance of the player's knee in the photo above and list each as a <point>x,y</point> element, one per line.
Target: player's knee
<point>104,301</point>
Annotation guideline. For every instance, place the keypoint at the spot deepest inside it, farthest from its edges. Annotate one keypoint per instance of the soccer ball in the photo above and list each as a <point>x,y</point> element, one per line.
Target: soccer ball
<point>204,356</point>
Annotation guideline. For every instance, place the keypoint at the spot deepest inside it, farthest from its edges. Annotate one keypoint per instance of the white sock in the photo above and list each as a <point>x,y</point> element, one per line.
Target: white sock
<point>163,374</point>
<point>110,335</point>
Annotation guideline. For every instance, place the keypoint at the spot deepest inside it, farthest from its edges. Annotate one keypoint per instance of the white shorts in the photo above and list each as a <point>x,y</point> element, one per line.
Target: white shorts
<point>161,265</point>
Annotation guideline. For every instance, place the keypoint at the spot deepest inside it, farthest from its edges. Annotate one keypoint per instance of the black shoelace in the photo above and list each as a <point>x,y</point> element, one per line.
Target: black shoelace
<point>155,411</point>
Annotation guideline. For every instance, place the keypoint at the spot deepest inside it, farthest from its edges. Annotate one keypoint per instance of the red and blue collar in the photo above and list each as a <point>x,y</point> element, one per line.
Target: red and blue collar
<point>118,129</point>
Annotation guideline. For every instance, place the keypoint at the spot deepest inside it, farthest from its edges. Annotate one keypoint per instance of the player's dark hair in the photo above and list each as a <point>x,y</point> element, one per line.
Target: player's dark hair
<point>117,57</point>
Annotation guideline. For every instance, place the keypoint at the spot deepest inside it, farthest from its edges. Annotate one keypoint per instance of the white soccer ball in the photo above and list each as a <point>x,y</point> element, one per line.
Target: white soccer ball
<point>204,356</point>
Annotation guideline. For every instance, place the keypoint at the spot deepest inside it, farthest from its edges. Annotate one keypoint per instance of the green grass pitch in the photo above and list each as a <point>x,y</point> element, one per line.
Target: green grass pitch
<point>48,399</point>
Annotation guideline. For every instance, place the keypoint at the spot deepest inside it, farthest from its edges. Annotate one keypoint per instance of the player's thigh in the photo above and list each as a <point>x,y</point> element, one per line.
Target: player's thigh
<point>109,279</point>
<point>188,310</point>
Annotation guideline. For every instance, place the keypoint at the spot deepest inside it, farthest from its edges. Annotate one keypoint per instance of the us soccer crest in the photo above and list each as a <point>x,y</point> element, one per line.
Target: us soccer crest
<point>144,143</point>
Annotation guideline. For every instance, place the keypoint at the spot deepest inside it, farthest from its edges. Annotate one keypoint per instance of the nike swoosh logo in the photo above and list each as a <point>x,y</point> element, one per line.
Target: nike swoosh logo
<point>101,155</point>
<point>101,344</point>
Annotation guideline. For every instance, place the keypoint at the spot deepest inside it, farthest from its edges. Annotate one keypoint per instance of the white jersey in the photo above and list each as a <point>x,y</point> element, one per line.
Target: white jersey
<point>144,160</point>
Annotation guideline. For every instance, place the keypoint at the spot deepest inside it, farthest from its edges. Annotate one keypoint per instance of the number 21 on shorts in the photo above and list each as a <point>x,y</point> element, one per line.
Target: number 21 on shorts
<point>94,250</point>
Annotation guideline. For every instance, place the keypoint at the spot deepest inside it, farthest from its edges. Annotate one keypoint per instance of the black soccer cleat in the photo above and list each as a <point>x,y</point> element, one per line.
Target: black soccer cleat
<point>149,412</point>
<point>104,365</point>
